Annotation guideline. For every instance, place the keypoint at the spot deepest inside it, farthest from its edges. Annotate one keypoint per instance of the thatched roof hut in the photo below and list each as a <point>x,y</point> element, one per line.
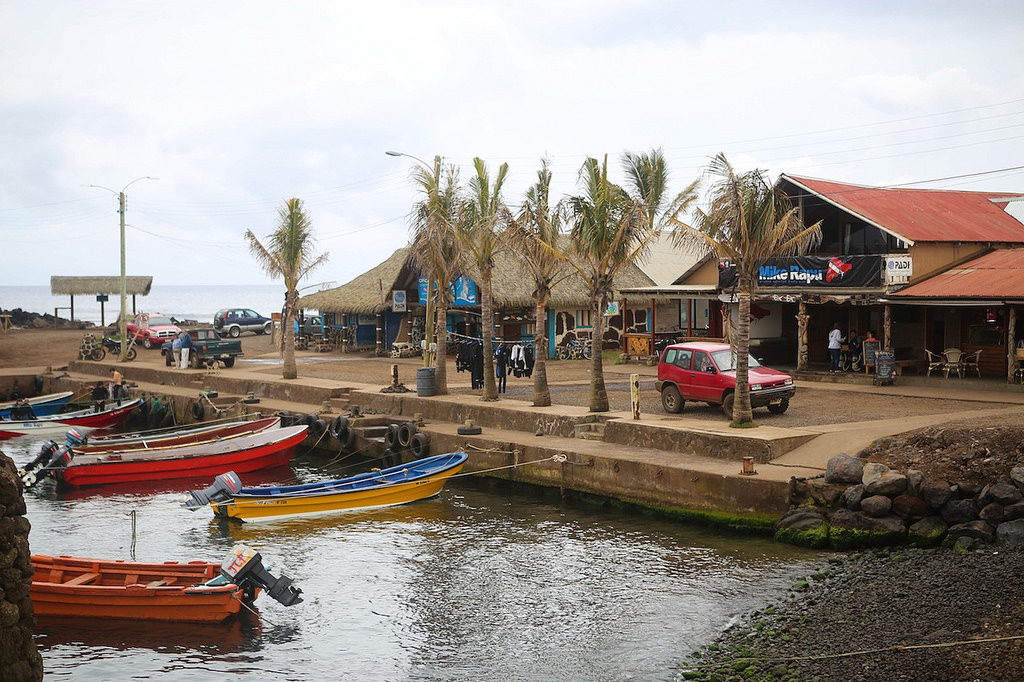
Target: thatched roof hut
<point>370,293</point>
<point>95,286</point>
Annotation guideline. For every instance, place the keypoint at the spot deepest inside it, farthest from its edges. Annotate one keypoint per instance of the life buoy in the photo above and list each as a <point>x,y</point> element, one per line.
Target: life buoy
<point>391,437</point>
<point>317,428</point>
<point>405,433</point>
<point>420,445</point>
<point>339,428</point>
<point>198,411</point>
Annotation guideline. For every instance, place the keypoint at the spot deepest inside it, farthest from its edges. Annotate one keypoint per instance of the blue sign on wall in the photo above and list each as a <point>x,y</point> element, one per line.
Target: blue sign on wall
<point>463,291</point>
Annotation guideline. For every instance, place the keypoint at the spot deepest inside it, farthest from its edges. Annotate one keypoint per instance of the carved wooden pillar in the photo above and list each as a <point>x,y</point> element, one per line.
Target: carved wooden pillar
<point>802,320</point>
<point>887,331</point>
<point>1012,364</point>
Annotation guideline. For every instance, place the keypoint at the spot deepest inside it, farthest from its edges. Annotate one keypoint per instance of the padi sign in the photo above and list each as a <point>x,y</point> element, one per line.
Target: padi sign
<point>810,271</point>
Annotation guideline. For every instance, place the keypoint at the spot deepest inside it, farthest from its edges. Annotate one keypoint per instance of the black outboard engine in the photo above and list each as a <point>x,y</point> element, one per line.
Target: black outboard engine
<point>54,457</point>
<point>223,489</point>
<point>244,567</point>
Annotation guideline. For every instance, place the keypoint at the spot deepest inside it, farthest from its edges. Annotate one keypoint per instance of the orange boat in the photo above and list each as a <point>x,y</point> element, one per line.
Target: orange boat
<point>194,592</point>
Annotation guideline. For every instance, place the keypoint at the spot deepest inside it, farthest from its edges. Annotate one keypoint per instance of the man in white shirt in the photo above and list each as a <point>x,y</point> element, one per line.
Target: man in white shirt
<point>835,345</point>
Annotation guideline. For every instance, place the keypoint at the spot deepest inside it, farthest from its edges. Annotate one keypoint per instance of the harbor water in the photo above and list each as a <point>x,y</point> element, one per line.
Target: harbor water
<point>470,585</point>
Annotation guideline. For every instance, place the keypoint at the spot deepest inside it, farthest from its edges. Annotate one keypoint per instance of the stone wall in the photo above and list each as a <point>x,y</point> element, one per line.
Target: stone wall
<point>19,659</point>
<point>857,504</point>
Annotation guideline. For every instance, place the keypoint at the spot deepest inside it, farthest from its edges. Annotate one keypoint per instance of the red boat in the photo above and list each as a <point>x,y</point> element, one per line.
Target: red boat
<point>205,433</point>
<point>263,450</point>
<point>195,592</point>
<point>83,419</point>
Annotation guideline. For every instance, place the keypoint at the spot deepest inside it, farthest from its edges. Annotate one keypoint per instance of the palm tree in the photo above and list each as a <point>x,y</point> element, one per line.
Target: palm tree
<point>532,236</point>
<point>436,249</point>
<point>748,221</point>
<point>612,228</point>
<point>289,255</point>
<point>480,226</point>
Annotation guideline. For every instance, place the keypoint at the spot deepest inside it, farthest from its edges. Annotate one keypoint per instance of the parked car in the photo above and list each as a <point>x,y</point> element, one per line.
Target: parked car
<point>152,329</point>
<point>233,321</point>
<point>207,348</point>
<point>706,372</point>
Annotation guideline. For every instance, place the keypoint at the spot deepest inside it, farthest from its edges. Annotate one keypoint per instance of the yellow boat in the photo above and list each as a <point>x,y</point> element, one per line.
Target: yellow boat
<point>401,484</point>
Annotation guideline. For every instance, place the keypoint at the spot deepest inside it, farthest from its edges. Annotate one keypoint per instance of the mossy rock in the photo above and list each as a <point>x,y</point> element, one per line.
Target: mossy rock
<point>815,538</point>
<point>844,539</point>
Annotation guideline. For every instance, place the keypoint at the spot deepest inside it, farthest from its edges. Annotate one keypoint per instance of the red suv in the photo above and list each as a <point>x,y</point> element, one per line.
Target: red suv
<point>152,329</point>
<point>706,372</point>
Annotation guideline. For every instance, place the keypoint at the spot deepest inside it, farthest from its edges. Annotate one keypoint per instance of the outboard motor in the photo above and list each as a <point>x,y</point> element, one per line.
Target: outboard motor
<point>244,567</point>
<point>55,457</point>
<point>223,489</point>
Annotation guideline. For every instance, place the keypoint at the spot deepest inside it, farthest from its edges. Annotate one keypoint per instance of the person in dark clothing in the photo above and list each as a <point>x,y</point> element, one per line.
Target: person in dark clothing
<point>22,411</point>
<point>100,395</point>
<point>501,366</point>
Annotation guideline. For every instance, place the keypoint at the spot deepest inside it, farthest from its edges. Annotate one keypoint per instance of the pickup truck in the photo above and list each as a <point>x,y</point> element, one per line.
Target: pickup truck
<point>207,348</point>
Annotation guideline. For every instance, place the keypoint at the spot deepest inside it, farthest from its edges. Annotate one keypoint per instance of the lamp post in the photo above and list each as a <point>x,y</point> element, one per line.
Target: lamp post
<point>122,205</point>
<point>429,308</point>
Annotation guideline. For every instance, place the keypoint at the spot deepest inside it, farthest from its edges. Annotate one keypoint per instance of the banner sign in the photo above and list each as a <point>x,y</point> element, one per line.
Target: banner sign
<point>810,271</point>
<point>463,291</point>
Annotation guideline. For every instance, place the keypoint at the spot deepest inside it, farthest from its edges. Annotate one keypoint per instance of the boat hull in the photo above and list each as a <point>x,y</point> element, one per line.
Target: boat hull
<point>42,405</point>
<point>87,588</point>
<point>394,486</point>
<point>263,450</point>
<point>156,441</point>
<point>83,419</point>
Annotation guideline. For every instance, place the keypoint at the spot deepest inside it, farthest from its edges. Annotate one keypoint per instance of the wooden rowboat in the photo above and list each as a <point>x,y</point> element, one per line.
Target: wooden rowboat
<point>196,592</point>
<point>261,450</point>
<point>42,405</point>
<point>381,488</point>
<point>83,419</point>
<point>207,433</point>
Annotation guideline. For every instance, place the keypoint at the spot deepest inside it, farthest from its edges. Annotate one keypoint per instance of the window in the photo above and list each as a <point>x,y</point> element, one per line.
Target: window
<point>583,318</point>
<point>680,357</point>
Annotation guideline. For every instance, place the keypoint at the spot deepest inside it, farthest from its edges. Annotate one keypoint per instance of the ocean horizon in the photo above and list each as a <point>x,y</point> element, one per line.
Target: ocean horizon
<point>182,302</point>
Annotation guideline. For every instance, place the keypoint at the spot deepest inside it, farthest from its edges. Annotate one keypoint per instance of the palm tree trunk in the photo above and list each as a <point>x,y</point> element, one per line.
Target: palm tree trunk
<point>289,371</point>
<point>487,332</point>
<point>598,392</point>
<point>541,391</point>
<point>741,411</point>
<point>441,359</point>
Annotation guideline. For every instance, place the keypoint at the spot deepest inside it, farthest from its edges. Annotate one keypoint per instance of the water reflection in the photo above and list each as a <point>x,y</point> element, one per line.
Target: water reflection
<point>470,585</point>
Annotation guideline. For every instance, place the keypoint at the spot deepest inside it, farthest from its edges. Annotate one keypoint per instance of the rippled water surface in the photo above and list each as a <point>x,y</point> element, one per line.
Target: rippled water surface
<point>471,585</point>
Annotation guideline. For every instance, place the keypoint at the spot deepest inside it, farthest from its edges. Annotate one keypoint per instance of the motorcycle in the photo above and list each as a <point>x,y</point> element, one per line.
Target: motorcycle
<point>106,344</point>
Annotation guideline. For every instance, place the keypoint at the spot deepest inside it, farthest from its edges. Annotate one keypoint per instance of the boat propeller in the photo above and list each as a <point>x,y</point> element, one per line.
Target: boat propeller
<point>53,456</point>
<point>245,566</point>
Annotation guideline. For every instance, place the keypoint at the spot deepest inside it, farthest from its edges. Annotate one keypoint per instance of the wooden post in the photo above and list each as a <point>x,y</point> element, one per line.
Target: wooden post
<point>887,336</point>
<point>634,394</point>
<point>802,320</point>
<point>1012,364</point>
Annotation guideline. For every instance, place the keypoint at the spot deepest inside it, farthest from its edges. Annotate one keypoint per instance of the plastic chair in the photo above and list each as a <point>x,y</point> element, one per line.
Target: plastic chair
<point>953,357</point>
<point>971,361</point>
<point>935,362</point>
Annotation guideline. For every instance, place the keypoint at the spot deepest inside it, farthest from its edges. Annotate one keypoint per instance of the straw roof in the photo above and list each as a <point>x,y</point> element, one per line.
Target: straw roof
<point>88,286</point>
<point>370,293</point>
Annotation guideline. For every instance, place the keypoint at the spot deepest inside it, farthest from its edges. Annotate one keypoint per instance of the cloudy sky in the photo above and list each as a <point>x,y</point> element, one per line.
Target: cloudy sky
<point>236,106</point>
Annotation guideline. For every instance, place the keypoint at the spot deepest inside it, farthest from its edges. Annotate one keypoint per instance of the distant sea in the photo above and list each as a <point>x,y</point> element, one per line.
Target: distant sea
<point>192,302</point>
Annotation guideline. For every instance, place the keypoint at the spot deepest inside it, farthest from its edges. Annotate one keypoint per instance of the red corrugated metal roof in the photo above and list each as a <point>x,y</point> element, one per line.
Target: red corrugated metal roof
<point>999,275</point>
<point>926,215</point>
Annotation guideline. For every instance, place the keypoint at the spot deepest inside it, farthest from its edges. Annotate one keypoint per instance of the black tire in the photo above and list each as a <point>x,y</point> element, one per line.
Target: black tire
<point>391,437</point>
<point>562,353</point>
<point>228,362</point>
<point>405,433</point>
<point>317,428</point>
<point>780,408</point>
<point>588,351</point>
<point>671,399</point>
<point>339,428</point>
<point>198,411</point>
<point>285,417</point>
<point>727,404</point>
<point>132,354</point>
<point>267,328</point>
<point>420,445</point>
<point>350,440</point>
<point>469,430</point>
<point>233,332</point>
<point>146,342</point>
<point>98,353</point>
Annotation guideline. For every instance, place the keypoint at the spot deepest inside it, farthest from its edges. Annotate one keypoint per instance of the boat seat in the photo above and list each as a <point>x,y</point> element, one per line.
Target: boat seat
<point>83,579</point>
<point>161,583</point>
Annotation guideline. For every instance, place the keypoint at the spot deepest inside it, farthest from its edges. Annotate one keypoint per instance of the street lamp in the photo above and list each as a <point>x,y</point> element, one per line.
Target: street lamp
<point>429,308</point>
<point>122,205</point>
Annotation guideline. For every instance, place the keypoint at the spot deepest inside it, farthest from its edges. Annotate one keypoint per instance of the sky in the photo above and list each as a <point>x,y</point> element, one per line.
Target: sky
<point>237,106</point>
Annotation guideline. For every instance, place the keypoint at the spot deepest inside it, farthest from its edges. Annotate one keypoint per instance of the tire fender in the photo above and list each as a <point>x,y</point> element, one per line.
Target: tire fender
<point>317,428</point>
<point>198,412</point>
<point>391,437</point>
<point>405,433</point>
<point>339,428</point>
<point>420,445</point>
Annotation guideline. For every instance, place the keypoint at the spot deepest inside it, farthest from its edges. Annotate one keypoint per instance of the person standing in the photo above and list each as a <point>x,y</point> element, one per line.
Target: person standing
<point>176,351</point>
<point>186,349</point>
<point>100,395</point>
<point>116,385</point>
<point>835,346</point>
